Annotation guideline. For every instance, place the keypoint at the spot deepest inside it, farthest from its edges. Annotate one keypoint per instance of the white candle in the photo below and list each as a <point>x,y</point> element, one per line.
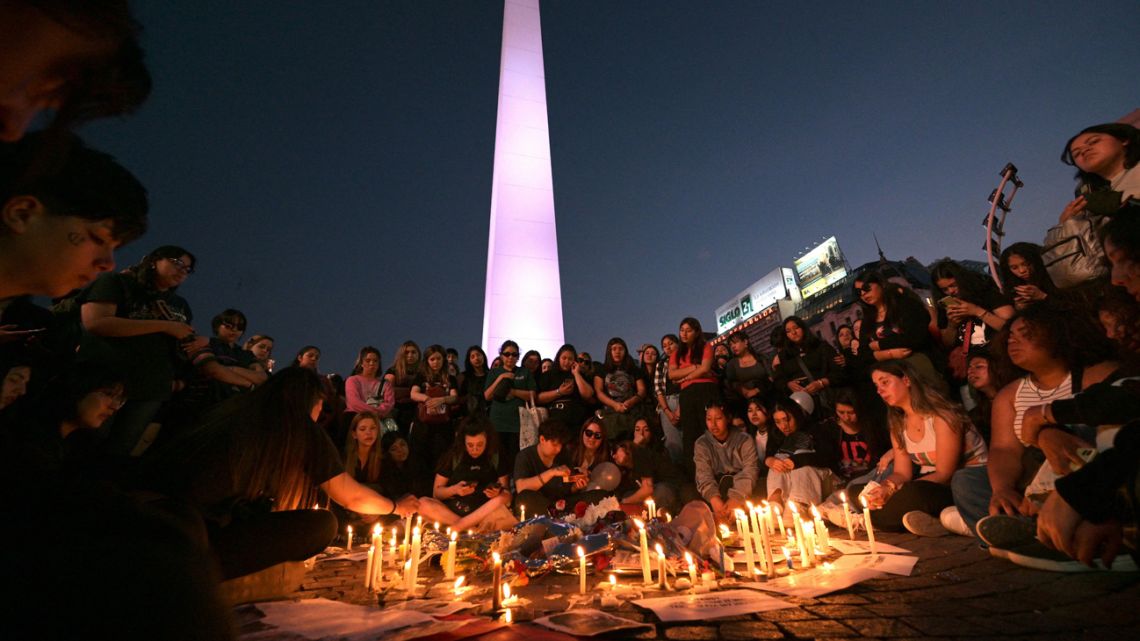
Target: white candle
<point>821,531</point>
<point>757,540</point>
<point>809,541</point>
<point>408,576</point>
<point>787,556</point>
<point>799,532</point>
<point>451,558</point>
<point>778,524</point>
<point>650,509</point>
<point>348,546</point>
<point>662,580</point>
<point>581,570</point>
<point>746,541</point>
<point>368,568</point>
<point>458,588</point>
<point>407,530</point>
<point>867,522</point>
<point>496,582</point>
<point>415,559</point>
<point>392,547</point>
<point>613,583</point>
<point>646,572</point>
<point>692,569</point>
<point>768,519</point>
<point>522,512</point>
<point>769,561</point>
<point>847,516</point>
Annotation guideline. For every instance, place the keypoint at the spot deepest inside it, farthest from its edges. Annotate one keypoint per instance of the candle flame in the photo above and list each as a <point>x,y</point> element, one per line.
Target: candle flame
<point>688,558</point>
<point>459,582</point>
<point>660,550</point>
<point>437,526</point>
<point>453,537</point>
<point>640,524</point>
<point>863,500</point>
<point>506,591</point>
<point>350,529</point>
<point>724,531</point>
<point>495,557</point>
<point>613,580</point>
<point>581,552</point>
<point>843,496</point>
<point>793,508</point>
<point>815,511</point>
<point>507,616</point>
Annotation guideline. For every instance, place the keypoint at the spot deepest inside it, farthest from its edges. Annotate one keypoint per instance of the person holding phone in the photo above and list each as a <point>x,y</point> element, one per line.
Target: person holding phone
<point>971,311</point>
<point>471,480</point>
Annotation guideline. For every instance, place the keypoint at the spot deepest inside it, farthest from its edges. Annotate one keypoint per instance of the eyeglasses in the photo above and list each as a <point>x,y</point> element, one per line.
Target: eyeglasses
<point>233,327</point>
<point>591,434</point>
<point>509,354</point>
<point>116,399</point>
<point>181,265</point>
<point>583,360</point>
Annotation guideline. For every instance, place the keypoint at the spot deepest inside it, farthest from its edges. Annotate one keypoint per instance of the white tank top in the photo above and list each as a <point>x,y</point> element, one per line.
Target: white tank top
<point>1029,395</point>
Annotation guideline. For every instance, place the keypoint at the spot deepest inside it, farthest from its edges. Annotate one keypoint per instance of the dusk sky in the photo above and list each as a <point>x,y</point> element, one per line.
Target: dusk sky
<point>330,162</point>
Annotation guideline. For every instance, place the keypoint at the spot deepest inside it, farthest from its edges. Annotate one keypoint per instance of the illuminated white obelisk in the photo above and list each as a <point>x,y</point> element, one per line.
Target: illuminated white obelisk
<point>524,295</point>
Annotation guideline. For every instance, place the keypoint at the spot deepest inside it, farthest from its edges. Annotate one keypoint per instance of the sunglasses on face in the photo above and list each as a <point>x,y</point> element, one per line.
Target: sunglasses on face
<point>583,360</point>
<point>234,327</point>
<point>591,434</point>
<point>509,354</point>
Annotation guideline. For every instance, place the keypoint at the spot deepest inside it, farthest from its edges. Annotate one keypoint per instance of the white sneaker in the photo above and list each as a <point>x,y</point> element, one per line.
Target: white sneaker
<point>953,521</point>
<point>922,524</point>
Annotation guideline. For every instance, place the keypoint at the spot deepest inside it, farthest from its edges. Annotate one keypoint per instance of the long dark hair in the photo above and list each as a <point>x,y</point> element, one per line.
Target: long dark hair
<point>352,448</point>
<point>267,436</point>
<point>1038,275</point>
<point>578,451</point>
<point>627,363</point>
<point>359,366</point>
<point>144,270</point>
<point>809,342</point>
<point>1070,334</point>
<point>468,369</point>
<point>425,369</point>
<point>893,294</point>
<point>698,347</point>
<point>1125,133</point>
<point>472,425</point>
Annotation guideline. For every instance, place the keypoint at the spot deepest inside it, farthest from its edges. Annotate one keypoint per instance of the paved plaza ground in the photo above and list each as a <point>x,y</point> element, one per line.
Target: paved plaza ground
<point>957,591</point>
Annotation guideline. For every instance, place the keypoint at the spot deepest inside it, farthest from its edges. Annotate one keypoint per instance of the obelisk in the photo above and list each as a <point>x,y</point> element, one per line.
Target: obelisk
<point>523,300</point>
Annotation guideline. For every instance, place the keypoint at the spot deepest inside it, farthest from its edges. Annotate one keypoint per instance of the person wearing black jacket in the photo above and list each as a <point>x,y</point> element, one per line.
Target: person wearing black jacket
<point>801,457</point>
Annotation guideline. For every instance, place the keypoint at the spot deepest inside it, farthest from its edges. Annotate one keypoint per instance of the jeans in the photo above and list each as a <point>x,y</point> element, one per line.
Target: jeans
<point>672,432</point>
<point>972,492</point>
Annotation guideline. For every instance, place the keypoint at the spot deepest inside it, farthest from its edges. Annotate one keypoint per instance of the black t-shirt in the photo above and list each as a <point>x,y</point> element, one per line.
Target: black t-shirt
<point>553,379</point>
<point>855,457</point>
<point>149,361</point>
<point>620,384</point>
<point>529,464</point>
<point>483,471</point>
<point>653,463</point>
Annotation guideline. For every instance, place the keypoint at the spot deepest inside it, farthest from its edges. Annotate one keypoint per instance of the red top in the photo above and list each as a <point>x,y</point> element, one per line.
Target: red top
<point>706,357</point>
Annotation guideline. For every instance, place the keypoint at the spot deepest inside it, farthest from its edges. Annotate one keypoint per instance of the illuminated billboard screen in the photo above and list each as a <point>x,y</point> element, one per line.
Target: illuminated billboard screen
<point>820,267</point>
<point>760,295</point>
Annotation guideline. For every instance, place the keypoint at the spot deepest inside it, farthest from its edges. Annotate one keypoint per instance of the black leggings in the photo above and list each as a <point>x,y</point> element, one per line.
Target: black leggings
<point>694,399</point>
<point>923,496</point>
<point>259,541</point>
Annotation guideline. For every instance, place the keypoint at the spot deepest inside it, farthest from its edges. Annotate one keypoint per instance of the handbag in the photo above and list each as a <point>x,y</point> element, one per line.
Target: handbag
<point>440,414</point>
<point>959,354</point>
<point>1072,251</point>
<point>530,417</point>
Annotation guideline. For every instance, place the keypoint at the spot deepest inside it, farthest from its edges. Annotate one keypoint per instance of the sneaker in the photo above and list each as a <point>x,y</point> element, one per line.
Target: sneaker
<point>953,521</point>
<point>1039,557</point>
<point>922,524</point>
<point>1006,532</point>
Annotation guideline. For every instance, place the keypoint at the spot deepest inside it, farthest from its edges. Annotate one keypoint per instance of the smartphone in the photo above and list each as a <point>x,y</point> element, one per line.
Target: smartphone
<point>947,301</point>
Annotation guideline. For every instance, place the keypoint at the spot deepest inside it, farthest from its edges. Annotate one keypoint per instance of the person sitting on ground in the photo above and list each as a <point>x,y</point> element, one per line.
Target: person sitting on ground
<point>652,474</point>
<point>400,473</point>
<point>1024,277</point>
<point>17,373</point>
<point>984,379</point>
<point>932,439</point>
<point>759,425</point>
<point>1061,351</point>
<point>727,467</point>
<point>471,484</point>
<point>542,475</point>
<point>800,458</point>
<point>590,457</point>
<point>864,450</point>
<point>253,468</point>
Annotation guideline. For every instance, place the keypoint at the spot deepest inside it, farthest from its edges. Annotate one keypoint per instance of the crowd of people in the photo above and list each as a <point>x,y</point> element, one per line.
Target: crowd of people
<point>162,461</point>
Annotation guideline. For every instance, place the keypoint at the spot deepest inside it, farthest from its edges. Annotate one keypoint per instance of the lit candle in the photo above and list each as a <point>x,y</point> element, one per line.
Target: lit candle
<point>787,556</point>
<point>662,581</point>
<point>809,541</point>
<point>581,570</point>
<point>408,576</point>
<point>458,588</point>
<point>799,531</point>
<point>692,569</point>
<point>378,566</point>
<point>766,542</point>
<point>613,583</point>
<point>415,559</point>
<point>522,512</point>
<point>668,517</point>
<point>496,582</point>
<point>650,509</point>
<point>768,519</point>
<point>507,618</point>
<point>757,540</point>
<point>368,568</point>
<point>348,546</point>
<point>407,530</point>
<point>847,516</point>
<point>778,523</point>
<point>508,599</point>
<point>867,522</point>
<point>646,572</point>
<point>392,547</point>
<point>821,530</point>
<point>437,526</point>
<point>451,558</point>
<point>746,542</point>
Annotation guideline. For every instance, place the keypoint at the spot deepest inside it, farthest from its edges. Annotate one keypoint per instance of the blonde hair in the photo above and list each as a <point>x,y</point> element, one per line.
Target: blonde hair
<point>371,471</point>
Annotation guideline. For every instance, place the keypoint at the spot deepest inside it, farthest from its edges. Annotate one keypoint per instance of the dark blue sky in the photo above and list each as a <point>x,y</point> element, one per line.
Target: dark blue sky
<point>330,162</point>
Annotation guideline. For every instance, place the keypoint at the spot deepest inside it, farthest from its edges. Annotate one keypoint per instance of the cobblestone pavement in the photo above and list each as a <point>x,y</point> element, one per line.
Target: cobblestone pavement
<point>957,590</point>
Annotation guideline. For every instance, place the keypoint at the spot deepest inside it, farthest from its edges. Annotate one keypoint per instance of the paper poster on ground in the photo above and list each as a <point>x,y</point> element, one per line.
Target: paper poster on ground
<point>816,582</point>
<point>588,622</point>
<point>694,607</point>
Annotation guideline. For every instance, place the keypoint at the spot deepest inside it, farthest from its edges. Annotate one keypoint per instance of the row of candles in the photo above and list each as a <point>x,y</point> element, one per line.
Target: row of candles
<point>409,554</point>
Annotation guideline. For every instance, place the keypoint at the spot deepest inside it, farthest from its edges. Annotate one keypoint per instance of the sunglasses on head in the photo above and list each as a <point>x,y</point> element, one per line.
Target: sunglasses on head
<point>592,434</point>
